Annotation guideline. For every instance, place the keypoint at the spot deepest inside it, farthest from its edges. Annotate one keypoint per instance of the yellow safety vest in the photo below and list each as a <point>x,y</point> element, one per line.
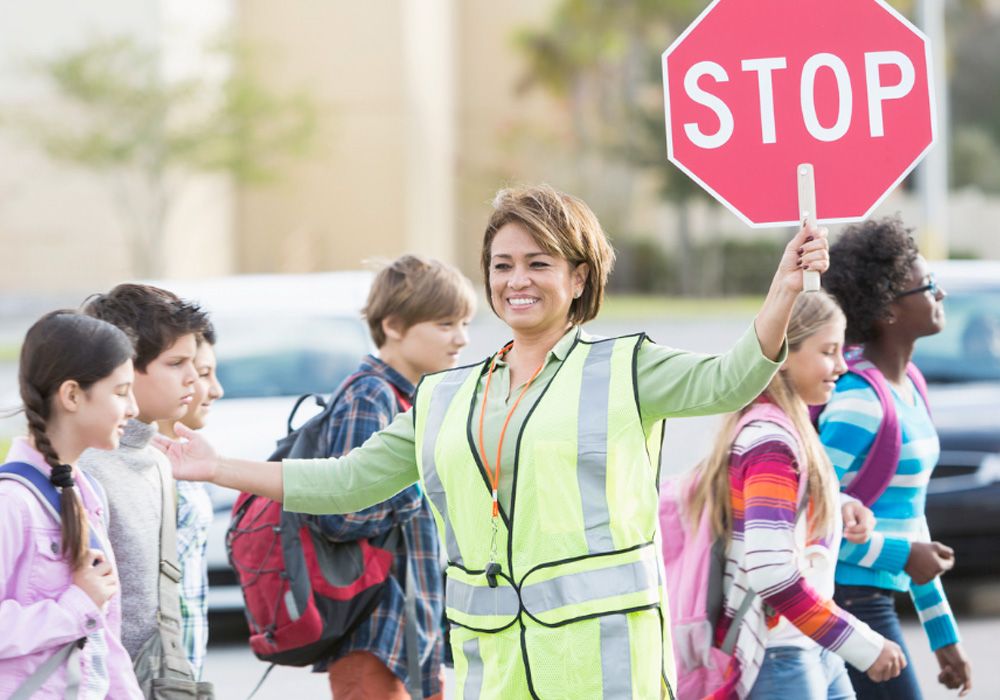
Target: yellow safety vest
<point>579,610</point>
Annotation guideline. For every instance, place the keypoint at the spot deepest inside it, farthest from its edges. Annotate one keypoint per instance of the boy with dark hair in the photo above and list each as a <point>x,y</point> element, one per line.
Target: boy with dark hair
<point>418,312</point>
<point>166,332</point>
<point>195,512</point>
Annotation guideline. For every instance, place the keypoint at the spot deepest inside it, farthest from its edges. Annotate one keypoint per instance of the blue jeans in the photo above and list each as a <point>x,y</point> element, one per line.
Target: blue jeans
<point>803,674</point>
<point>877,608</point>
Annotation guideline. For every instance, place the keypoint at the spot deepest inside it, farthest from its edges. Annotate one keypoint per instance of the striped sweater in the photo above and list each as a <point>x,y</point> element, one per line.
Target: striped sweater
<point>770,553</point>
<point>847,429</point>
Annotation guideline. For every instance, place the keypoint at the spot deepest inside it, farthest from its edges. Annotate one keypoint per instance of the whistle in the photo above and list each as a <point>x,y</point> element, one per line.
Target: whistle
<point>492,570</point>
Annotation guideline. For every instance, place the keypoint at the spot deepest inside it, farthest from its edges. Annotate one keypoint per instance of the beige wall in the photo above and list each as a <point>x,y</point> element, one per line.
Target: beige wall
<point>342,204</point>
<point>61,230</point>
<point>417,96</point>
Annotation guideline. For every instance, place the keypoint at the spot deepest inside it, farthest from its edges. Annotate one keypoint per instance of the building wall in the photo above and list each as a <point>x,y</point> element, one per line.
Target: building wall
<point>60,223</point>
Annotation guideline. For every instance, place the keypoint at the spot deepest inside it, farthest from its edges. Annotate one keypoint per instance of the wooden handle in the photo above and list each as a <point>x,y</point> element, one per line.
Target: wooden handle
<point>807,215</point>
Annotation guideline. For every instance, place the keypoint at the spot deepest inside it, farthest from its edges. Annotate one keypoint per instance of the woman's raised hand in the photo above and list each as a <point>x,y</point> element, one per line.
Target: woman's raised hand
<point>192,458</point>
<point>809,249</point>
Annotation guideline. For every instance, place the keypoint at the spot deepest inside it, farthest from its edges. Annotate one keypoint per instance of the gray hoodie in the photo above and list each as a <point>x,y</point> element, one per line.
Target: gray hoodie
<point>132,482</point>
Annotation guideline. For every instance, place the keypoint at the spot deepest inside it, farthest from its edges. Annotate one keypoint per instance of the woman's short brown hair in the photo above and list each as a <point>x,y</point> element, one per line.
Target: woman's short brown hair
<point>413,290</point>
<point>561,225</point>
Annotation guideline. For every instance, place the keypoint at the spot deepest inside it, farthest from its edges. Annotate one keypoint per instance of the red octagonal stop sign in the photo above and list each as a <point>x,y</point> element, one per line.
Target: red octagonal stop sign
<point>755,87</point>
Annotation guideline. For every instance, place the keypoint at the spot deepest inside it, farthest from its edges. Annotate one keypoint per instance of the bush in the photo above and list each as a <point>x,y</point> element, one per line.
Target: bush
<point>728,267</point>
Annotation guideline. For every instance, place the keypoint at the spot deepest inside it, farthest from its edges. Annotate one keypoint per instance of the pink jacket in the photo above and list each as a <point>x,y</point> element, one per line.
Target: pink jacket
<point>40,608</point>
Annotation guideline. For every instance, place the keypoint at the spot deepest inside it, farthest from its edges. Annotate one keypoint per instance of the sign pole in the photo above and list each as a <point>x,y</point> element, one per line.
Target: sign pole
<point>807,215</point>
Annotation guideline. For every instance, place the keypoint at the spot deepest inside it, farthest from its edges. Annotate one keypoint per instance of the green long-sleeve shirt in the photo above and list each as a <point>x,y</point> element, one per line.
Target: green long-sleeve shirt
<point>671,383</point>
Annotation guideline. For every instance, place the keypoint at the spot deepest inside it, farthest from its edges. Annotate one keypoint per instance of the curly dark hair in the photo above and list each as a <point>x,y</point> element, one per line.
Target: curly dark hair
<point>869,265</point>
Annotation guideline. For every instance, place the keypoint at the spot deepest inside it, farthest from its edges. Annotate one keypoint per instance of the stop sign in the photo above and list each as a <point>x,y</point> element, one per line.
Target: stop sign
<point>754,87</point>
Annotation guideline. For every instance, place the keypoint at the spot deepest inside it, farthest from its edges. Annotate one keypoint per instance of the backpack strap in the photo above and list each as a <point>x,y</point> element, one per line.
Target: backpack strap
<point>169,609</point>
<point>39,485</point>
<point>402,400</point>
<point>876,472</point>
<point>67,654</point>
<point>873,478</point>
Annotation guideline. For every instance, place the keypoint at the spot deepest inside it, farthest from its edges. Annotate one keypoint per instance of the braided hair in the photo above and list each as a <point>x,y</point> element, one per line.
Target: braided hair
<point>66,346</point>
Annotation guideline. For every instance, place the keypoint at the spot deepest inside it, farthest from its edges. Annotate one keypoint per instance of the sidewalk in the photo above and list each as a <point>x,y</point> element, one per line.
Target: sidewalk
<point>235,671</point>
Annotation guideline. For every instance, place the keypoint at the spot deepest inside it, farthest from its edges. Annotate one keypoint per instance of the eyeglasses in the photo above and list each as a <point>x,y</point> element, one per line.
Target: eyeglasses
<point>932,286</point>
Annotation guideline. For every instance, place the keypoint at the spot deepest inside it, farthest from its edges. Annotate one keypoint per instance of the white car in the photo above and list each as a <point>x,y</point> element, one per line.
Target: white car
<point>279,336</point>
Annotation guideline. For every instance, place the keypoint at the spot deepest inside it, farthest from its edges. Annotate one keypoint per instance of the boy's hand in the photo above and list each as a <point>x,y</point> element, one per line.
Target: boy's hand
<point>859,522</point>
<point>955,669</point>
<point>194,459</point>
<point>928,560</point>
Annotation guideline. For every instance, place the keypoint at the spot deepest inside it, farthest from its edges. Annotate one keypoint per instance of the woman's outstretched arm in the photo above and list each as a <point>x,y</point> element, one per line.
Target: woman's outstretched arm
<point>369,474</point>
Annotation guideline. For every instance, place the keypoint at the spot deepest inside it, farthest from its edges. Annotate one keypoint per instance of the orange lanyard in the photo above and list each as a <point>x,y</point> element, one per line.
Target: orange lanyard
<point>494,475</point>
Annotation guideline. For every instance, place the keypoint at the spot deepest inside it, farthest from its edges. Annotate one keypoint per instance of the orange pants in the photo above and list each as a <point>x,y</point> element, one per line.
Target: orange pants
<point>362,676</point>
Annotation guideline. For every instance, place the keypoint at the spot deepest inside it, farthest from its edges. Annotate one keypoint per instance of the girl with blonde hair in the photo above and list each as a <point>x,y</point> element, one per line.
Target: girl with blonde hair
<point>772,493</point>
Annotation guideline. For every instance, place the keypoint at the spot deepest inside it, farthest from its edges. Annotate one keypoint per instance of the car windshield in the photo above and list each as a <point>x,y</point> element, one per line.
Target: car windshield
<point>968,349</point>
<point>263,356</point>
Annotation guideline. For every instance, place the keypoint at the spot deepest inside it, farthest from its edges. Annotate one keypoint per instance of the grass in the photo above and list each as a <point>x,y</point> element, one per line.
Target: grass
<point>633,306</point>
<point>9,353</point>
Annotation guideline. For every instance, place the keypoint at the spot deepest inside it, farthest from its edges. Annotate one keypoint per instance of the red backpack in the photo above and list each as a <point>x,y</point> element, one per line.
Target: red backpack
<point>304,592</point>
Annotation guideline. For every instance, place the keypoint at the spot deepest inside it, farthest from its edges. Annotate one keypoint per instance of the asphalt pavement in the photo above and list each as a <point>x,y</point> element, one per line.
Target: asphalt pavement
<point>235,671</point>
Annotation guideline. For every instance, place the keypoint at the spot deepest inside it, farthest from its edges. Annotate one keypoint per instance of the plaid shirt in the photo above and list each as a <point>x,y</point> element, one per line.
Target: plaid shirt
<point>194,516</point>
<point>366,406</point>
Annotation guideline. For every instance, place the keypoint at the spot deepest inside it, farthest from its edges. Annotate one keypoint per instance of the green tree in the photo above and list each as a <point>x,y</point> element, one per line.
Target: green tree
<point>602,59</point>
<point>116,115</point>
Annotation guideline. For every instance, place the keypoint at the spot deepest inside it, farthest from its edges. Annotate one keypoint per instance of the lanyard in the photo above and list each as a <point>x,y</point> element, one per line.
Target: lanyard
<point>494,474</point>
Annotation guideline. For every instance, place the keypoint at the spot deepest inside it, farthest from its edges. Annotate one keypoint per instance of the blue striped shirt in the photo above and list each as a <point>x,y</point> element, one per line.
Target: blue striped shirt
<point>847,429</point>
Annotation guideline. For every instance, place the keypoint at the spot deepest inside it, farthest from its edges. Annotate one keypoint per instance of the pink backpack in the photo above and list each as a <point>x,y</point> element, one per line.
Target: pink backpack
<point>694,561</point>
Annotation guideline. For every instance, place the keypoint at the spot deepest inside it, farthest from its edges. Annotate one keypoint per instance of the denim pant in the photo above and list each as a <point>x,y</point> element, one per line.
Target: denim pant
<point>877,608</point>
<point>803,674</point>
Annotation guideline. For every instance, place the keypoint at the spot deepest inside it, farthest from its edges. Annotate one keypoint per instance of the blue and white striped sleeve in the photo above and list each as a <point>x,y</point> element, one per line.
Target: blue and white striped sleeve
<point>847,429</point>
<point>935,613</point>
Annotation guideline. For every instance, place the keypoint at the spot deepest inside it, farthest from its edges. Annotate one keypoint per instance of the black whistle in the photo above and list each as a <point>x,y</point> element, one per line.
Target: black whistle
<point>492,569</point>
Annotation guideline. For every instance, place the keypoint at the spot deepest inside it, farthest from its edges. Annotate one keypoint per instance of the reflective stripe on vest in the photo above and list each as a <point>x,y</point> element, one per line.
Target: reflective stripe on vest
<point>582,588</point>
<point>474,675</point>
<point>441,398</point>
<point>616,657</point>
<point>592,447</point>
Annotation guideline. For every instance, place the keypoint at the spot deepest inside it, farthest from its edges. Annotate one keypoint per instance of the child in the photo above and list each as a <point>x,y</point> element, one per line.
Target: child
<point>165,331</point>
<point>195,512</point>
<point>773,493</point>
<point>75,380</point>
<point>891,299</point>
<point>418,311</point>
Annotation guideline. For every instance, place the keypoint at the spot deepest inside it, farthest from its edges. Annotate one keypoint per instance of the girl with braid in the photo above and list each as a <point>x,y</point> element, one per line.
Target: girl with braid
<point>60,608</point>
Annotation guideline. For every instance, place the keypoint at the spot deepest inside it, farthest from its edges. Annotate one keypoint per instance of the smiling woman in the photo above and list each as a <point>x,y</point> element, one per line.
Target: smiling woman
<point>541,462</point>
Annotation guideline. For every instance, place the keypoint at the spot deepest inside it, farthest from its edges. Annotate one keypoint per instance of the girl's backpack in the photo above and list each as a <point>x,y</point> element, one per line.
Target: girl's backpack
<point>694,561</point>
<point>873,478</point>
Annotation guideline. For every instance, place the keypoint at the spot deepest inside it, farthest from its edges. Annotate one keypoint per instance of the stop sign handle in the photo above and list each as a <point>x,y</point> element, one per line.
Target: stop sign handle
<point>807,215</point>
